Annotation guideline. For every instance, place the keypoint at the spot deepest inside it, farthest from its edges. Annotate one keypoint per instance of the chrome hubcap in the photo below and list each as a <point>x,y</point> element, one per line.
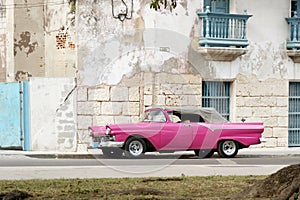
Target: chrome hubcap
<point>229,147</point>
<point>136,148</point>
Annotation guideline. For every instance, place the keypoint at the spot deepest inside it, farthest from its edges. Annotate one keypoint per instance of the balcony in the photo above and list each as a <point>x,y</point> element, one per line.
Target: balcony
<point>223,36</point>
<point>293,43</point>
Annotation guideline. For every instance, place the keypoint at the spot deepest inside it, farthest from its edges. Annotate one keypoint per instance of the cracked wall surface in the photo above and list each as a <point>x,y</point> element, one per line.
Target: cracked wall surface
<point>53,114</point>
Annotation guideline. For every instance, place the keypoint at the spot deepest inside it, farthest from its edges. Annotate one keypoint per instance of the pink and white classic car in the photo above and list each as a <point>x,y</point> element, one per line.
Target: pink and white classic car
<point>202,130</point>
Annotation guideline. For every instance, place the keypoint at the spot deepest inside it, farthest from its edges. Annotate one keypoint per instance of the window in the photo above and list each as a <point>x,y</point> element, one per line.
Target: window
<point>154,116</point>
<point>217,6</point>
<point>294,114</point>
<point>217,95</point>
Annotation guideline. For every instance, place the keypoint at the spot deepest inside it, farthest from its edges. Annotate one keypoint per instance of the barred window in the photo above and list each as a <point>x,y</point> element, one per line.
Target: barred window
<point>294,114</point>
<point>217,95</point>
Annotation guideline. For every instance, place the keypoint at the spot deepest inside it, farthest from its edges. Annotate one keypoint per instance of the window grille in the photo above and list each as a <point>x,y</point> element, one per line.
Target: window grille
<point>217,95</point>
<point>294,114</point>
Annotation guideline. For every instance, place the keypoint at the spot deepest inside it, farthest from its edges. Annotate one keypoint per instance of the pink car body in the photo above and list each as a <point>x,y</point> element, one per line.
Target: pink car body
<point>175,129</point>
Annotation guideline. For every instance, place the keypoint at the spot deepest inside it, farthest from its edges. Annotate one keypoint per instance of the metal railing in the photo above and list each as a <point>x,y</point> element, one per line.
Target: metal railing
<point>294,38</point>
<point>223,29</point>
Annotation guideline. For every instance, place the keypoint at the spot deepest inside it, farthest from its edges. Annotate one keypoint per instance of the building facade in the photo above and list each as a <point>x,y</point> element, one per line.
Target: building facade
<point>239,56</point>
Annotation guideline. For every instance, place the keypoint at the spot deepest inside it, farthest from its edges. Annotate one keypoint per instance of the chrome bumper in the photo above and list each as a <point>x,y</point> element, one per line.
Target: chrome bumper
<point>110,144</point>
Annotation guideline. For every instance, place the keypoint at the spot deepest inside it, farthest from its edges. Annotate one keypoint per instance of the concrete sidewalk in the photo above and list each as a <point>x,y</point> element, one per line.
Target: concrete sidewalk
<point>94,153</point>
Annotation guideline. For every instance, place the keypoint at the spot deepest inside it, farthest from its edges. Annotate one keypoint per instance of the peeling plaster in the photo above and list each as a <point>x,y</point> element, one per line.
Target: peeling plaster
<point>265,54</point>
<point>24,44</point>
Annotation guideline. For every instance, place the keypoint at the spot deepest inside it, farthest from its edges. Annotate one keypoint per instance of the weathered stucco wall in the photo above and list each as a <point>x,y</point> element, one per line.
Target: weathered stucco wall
<point>157,44</point>
<point>53,114</point>
<point>44,39</point>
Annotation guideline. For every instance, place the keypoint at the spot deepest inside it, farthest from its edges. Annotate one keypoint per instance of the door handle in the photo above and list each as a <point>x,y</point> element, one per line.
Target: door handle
<point>188,125</point>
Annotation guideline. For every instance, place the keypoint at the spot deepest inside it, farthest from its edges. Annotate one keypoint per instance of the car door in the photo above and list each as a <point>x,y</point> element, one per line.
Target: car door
<point>177,136</point>
<point>206,135</point>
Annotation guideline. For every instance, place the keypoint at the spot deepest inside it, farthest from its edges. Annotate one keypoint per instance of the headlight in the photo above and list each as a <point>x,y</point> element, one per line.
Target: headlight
<point>108,130</point>
<point>90,131</point>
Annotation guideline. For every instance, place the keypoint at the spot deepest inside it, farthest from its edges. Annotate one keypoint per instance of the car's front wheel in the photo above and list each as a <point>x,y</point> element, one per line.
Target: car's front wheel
<point>112,152</point>
<point>227,149</point>
<point>135,148</point>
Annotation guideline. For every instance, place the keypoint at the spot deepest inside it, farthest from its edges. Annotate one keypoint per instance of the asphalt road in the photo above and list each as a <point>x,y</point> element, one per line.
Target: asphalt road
<point>15,167</point>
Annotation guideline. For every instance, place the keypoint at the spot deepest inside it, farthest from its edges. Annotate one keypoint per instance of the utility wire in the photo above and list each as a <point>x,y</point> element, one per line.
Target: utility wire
<point>30,5</point>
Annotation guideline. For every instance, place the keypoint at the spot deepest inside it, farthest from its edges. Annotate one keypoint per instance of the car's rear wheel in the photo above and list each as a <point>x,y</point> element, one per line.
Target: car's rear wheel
<point>112,152</point>
<point>227,148</point>
<point>204,153</point>
<point>135,148</point>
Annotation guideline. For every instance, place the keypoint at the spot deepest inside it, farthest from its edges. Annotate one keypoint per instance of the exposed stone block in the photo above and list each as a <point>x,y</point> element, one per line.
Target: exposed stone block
<point>283,121</point>
<point>282,142</point>
<point>147,100</point>
<point>88,108</point>
<point>160,100</point>
<point>119,93</point>
<point>268,132</point>
<point>131,108</point>
<point>270,122</point>
<point>261,111</point>
<point>134,93</point>
<point>148,89</point>
<point>82,94</point>
<point>122,119</point>
<point>103,120</point>
<point>279,112</point>
<point>193,79</point>
<point>194,100</point>
<point>176,100</point>
<point>271,142</point>
<point>84,121</point>
<point>192,89</point>
<point>98,94</point>
<point>177,79</point>
<point>282,101</point>
<point>111,108</point>
<point>280,132</point>
<point>244,112</point>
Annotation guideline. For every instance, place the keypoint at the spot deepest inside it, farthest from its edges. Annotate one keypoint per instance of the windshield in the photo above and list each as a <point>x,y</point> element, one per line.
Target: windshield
<point>154,116</point>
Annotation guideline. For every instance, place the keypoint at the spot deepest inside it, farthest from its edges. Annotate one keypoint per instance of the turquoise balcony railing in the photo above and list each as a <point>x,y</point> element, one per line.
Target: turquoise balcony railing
<point>294,39</point>
<point>223,29</point>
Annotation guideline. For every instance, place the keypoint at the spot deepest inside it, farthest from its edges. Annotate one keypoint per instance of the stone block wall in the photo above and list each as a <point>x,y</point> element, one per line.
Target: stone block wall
<point>126,102</point>
<point>265,101</point>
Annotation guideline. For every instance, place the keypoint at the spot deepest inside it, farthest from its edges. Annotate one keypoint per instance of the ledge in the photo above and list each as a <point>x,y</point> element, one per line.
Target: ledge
<point>294,55</point>
<point>221,53</point>
<point>225,54</point>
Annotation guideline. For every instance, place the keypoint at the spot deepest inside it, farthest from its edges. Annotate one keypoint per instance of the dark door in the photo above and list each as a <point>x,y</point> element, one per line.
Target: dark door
<point>217,6</point>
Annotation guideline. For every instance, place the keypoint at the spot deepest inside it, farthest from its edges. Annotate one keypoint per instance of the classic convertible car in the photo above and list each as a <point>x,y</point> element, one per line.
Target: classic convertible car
<point>202,130</point>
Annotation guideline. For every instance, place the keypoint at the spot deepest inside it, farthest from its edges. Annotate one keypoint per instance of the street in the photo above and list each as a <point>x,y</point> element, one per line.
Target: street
<point>15,167</point>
